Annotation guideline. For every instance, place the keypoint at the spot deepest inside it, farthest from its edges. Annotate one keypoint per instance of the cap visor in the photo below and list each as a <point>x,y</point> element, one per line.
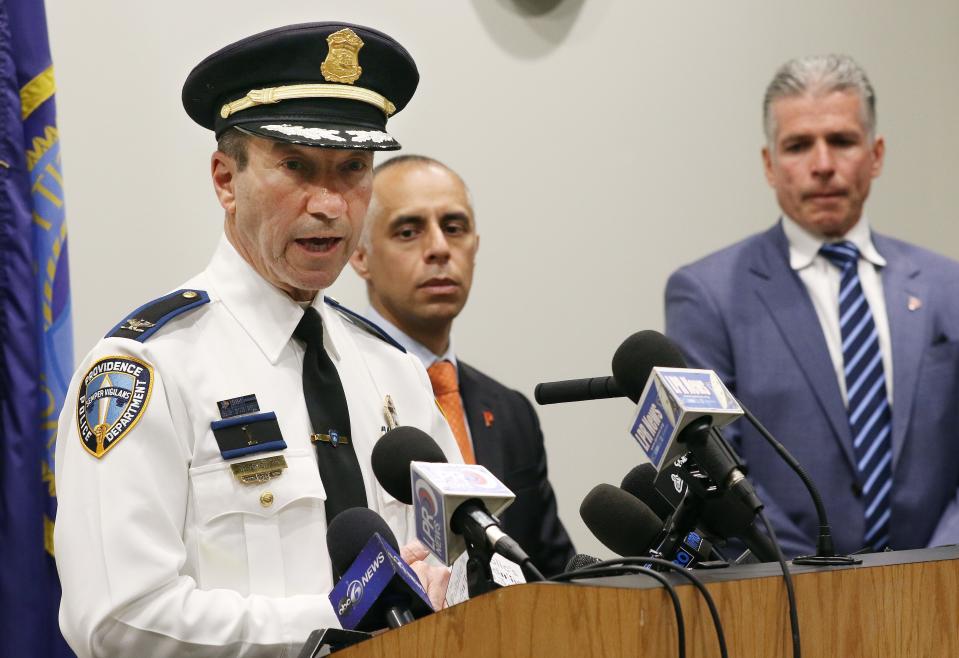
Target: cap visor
<point>325,135</point>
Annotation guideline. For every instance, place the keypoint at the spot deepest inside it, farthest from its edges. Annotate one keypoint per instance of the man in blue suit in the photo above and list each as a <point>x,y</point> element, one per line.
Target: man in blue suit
<point>844,342</point>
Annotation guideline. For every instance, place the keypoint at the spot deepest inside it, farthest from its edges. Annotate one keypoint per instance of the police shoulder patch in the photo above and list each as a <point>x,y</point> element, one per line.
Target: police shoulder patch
<point>113,396</point>
<point>358,320</point>
<point>147,320</point>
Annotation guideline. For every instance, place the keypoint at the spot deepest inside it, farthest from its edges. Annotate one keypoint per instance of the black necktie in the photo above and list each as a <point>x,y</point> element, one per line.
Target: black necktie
<point>330,417</point>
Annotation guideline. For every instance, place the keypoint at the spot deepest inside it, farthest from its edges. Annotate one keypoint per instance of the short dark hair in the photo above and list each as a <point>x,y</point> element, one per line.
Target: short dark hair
<point>411,158</point>
<point>234,142</point>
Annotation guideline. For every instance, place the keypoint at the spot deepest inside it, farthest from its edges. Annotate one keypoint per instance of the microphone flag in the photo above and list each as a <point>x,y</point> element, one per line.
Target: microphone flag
<point>360,599</point>
<point>673,398</point>
<point>438,490</point>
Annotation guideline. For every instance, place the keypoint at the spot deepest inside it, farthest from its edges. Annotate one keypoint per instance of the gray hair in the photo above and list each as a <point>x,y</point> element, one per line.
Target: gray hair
<point>820,74</point>
<point>234,143</point>
<point>375,208</point>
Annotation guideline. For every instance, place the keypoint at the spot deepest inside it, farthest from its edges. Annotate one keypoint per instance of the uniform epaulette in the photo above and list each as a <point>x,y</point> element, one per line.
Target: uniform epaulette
<point>361,322</point>
<point>143,322</point>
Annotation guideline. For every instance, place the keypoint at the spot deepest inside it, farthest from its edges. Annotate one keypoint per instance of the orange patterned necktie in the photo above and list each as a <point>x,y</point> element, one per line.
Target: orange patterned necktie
<point>446,388</point>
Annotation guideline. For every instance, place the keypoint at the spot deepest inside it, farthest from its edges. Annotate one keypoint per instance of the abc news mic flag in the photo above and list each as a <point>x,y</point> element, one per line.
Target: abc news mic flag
<point>356,595</point>
<point>673,398</point>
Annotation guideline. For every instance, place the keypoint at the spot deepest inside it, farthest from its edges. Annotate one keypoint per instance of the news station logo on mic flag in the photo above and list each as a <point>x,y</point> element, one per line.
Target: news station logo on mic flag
<point>673,398</point>
<point>358,598</point>
<point>438,491</point>
<point>36,338</point>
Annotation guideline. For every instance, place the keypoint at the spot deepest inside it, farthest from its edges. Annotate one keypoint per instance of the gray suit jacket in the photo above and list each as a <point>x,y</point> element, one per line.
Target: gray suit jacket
<point>745,313</point>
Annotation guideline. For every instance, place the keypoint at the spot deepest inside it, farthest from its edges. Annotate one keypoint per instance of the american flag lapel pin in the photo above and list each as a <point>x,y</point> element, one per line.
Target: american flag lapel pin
<point>914,303</point>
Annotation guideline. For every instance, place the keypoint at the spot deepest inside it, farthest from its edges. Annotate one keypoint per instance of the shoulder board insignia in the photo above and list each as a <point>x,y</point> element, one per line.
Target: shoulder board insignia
<point>366,325</point>
<point>146,320</point>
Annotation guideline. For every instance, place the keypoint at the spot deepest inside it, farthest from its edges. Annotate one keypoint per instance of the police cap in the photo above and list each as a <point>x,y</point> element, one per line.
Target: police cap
<point>323,84</point>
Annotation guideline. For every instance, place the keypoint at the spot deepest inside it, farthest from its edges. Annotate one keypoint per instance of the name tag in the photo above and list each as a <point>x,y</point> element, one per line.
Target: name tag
<point>259,470</point>
<point>245,404</point>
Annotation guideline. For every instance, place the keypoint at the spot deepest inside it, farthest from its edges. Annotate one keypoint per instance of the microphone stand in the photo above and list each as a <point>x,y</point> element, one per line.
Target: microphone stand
<point>479,574</point>
<point>686,516</point>
<point>825,550</point>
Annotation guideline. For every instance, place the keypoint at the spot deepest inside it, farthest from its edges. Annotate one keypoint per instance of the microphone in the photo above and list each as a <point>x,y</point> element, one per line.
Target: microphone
<point>452,502</point>
<point>576,390</point>
<point>622,522</point>
<point>628,527</point>
<point>676,405</point>
<point>376,588</point>
<point>641,483</point>
<point>581,561</point>
<point>721,517</point>
<point>637,356</point>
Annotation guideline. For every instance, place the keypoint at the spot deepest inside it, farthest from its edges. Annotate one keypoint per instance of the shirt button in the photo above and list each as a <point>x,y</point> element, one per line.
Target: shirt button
<point>266,499</point>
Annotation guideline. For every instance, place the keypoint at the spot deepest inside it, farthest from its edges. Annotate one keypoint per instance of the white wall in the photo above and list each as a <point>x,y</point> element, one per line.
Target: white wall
<point>606,143</point>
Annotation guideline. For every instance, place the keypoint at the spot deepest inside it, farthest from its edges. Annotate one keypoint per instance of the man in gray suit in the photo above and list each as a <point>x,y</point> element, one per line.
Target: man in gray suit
<point>844,342</point>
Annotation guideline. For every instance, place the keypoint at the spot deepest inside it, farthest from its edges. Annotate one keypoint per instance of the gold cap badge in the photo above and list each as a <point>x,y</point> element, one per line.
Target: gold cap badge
<point>342,62</point>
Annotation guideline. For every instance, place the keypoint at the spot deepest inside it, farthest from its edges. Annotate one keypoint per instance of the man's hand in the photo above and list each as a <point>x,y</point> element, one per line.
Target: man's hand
<point>434,579</point>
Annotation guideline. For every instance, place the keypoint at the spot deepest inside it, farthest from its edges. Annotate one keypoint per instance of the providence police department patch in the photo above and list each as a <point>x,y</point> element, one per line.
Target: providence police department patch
<point>113,395</point>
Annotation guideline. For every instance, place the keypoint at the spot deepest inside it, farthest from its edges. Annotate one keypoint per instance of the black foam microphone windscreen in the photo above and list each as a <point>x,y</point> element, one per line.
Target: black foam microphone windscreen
<point>348,533</point>
<point>636,357</point>
<point>621,521</point>
<point>393,453</point>
<point>641,482</point>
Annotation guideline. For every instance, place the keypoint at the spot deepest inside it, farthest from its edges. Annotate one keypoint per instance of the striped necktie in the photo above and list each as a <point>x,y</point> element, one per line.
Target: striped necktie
<point>870,416</point>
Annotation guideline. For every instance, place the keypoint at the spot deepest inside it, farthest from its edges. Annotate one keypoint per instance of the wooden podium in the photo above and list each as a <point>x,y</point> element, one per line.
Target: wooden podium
<point>901,604</point>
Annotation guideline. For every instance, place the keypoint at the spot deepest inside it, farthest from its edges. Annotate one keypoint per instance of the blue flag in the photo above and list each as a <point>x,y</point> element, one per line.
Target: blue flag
<point>36,339</point>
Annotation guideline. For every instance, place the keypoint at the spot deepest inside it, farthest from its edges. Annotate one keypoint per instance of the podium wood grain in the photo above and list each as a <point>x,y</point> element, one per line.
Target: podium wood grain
<point>898,610</point>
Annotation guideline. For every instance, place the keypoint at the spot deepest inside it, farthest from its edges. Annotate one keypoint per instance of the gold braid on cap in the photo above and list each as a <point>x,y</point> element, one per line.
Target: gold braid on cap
<point>269,95</point>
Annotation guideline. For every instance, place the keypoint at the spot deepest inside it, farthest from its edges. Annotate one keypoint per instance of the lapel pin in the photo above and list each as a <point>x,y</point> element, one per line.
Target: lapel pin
<point>914,303</point>
<point>389,412</point>
<point>488,417</point>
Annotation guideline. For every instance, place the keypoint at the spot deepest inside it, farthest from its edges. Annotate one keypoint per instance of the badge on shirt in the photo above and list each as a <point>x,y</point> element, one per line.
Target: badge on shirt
<point>113,396</point>
<point>248,434</point>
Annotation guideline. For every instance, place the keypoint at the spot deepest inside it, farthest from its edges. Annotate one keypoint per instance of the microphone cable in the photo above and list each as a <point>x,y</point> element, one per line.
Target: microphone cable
<point>790,593</point>
<point>825,549</point>
<point>685,573</point>
<point>598,570</point>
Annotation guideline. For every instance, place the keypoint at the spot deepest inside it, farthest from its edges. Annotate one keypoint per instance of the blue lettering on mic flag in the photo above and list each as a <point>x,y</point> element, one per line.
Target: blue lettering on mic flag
<point>113,396</point>
<point>653,428</point>
<point>430,517</point>
<point>368,576</point>
<point>36,350</point>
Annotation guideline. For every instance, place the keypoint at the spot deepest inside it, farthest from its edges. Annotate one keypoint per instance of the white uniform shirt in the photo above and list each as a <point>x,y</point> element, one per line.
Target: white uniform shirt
<point>161,551</point>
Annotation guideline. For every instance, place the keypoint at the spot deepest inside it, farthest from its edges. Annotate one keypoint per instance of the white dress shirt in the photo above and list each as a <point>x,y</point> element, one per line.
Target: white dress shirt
<point>822,279</point>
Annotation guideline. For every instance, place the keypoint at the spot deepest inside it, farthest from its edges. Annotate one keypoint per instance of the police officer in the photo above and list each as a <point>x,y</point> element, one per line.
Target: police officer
<point>209,438</point>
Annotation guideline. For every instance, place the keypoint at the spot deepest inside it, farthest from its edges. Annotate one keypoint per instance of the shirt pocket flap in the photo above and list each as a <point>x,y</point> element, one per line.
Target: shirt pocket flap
<point>217,492</point>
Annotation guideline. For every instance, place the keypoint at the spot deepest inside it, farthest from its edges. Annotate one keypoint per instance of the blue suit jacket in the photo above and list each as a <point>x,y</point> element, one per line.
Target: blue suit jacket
<point>745,313</point>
